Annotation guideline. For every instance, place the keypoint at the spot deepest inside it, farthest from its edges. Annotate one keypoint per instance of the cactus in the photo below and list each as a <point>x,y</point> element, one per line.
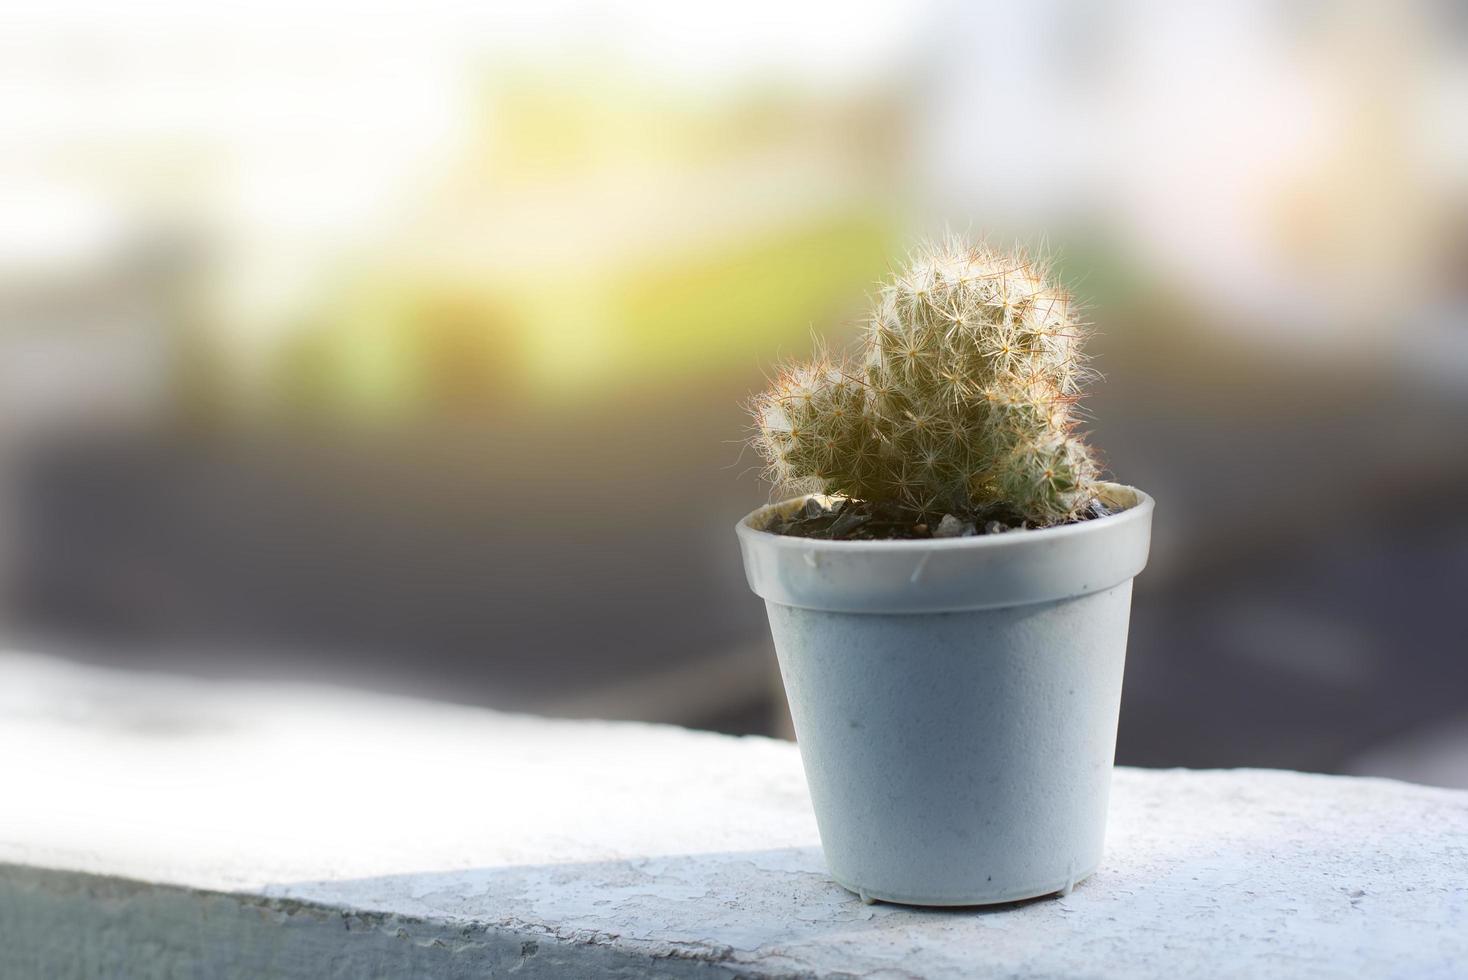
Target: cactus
<point>962,397</point>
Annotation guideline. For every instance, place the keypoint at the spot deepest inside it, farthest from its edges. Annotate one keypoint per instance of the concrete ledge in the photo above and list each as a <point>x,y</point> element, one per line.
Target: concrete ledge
<point>150,826</point>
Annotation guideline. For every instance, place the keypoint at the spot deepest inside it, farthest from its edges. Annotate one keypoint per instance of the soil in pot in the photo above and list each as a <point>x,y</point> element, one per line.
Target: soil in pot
<point>864,520</point>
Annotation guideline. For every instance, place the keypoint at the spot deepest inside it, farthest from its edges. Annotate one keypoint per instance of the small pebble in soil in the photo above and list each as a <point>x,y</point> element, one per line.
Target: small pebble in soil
<point>995,527</point>
<point>952,527</point>
<point>848,521</point>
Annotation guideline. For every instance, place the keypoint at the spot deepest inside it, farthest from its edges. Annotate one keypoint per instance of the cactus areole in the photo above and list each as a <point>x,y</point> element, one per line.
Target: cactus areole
<point>960,401</point>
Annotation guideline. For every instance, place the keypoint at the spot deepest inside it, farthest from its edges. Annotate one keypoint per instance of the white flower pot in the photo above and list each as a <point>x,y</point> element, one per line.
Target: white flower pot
<point>955,700</point>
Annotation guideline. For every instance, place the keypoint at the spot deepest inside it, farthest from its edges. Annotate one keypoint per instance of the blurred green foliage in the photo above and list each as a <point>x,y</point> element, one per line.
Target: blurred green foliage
<point>391,350</point>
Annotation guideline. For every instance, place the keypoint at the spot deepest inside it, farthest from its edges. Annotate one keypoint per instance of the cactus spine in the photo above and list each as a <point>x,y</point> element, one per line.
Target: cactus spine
<point>962,396</point>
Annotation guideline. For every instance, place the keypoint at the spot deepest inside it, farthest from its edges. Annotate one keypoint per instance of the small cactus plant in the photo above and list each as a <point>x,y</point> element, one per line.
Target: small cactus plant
<point>962,397</point>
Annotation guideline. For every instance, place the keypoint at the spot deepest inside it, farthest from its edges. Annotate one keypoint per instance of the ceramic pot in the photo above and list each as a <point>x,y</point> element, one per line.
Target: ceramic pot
<point>955,700</point>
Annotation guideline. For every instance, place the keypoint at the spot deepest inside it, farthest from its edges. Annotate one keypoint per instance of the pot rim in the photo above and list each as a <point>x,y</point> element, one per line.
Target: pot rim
<point>925,575</point>
<point>1113,494</point>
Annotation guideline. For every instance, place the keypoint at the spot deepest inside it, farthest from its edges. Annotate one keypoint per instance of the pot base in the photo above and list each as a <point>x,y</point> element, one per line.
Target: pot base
<point>871,897</point>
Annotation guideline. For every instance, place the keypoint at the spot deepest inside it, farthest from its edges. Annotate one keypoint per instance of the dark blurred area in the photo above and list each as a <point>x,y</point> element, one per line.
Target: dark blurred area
<point>420,366</point>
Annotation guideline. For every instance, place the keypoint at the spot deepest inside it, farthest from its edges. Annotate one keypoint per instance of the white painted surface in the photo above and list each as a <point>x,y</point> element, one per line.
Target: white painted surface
<point>151,826</point>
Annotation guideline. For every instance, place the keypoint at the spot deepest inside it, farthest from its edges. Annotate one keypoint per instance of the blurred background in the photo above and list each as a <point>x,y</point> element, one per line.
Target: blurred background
<point>404,346</point>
